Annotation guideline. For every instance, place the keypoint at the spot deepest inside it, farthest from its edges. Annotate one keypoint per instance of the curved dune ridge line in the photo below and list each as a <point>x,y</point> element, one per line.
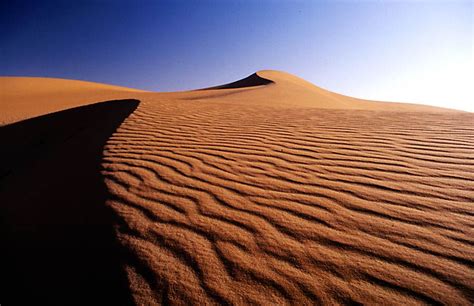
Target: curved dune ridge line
<point>250,81</point>
<point>276,88</point>
<point>26,97</point>
<point>58,241</point>
<point>275,191</point>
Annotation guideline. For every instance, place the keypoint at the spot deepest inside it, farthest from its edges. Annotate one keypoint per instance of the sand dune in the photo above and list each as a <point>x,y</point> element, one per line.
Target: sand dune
<point>268,190</point>
<point>26,97</point>
<point>58,241</point>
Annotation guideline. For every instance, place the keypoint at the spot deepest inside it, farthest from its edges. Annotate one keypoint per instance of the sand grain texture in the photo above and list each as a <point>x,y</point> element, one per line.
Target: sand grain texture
<point>274,191</point>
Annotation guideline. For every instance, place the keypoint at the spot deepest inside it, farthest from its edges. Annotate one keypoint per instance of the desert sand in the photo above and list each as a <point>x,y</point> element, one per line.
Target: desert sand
<point>267,191</point>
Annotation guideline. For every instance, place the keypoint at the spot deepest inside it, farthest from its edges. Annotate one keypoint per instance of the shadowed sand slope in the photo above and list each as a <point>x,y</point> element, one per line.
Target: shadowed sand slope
<point>58,244</point>
<point>284,193</point>
<point>250,81</point>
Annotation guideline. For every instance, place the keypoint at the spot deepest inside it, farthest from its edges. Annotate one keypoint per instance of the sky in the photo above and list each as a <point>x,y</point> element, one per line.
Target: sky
<point>406,51</point>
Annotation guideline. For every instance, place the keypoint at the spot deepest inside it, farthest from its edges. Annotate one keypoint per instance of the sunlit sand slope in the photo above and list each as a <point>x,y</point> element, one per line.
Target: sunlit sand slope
<point>25,97</point>
<point>273,191</point>
<point>235,197</point>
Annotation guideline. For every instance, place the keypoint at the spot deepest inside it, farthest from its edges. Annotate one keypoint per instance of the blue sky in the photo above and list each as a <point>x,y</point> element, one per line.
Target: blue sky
<point>409,51</point>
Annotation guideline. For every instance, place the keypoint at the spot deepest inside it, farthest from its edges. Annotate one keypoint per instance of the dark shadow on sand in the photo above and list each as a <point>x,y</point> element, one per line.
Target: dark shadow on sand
<point>250,81</point>
<point>57,237</point>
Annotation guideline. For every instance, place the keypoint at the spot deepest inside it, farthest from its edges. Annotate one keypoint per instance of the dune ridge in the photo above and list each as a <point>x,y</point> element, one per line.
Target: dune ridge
<point>58,239</point>
<point>250,81</point>
<point>281,192</point>
<point>27,97</point>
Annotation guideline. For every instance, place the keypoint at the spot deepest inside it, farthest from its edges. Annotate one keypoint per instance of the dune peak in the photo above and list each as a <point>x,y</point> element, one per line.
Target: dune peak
<point>251,81</point>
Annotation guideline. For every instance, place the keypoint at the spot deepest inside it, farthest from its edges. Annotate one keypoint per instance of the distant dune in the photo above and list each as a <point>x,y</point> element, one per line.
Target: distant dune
<point>26,97</point>
<point>269,191</point>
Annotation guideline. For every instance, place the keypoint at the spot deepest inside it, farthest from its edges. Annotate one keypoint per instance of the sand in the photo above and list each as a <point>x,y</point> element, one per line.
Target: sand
<point>268,190</point>
<point>26,97</point>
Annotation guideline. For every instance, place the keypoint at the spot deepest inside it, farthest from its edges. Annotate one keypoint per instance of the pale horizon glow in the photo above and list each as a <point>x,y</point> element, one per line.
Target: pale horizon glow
<point>450,84</point>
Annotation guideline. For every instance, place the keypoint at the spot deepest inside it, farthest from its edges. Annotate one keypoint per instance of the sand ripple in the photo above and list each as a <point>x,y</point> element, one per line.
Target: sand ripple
<point>249,204</point>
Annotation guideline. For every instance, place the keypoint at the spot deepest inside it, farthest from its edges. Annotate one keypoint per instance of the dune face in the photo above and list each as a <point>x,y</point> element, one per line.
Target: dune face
<point>270,190</point>
<point>250,81</point>
<point>58,241</point>
<point>25,97</point>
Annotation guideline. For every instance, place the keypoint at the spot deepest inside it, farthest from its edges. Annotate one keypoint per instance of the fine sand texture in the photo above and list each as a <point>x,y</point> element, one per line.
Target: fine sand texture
<point>265,191</point>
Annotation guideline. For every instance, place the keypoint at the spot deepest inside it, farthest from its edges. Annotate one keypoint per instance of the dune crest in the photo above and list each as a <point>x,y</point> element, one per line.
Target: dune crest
<point>271,190</point>
<point>27,97</point>
<point>281,89</point>
<point>250,81</point>
<point>57,233</point>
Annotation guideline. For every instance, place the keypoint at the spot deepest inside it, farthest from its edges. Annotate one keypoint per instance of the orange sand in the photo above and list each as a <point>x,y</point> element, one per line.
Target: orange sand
<point>265,191</point>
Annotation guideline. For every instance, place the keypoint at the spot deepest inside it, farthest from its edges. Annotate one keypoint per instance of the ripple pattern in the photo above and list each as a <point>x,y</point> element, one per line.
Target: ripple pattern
<point>239,204</point>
